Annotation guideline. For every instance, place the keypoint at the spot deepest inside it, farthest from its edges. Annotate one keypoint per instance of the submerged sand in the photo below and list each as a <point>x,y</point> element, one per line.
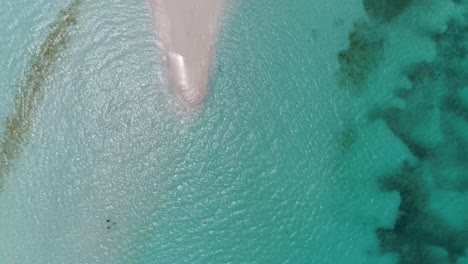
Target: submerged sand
<point>187,31</point>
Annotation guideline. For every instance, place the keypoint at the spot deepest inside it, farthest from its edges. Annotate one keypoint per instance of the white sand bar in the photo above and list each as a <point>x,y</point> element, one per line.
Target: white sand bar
<point>187,31</point>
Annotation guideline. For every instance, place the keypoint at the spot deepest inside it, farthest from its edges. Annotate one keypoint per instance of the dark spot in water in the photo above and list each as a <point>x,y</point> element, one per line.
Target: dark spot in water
<point>403,93</point>
<point>347,139</point>
<point>110,224</point>
<point>314,34</point>
<point>338,22</point>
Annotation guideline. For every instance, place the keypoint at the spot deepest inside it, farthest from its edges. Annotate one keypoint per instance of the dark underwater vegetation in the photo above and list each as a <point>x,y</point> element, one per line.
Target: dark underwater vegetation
<point>19,122</point>
<point>431,119</point>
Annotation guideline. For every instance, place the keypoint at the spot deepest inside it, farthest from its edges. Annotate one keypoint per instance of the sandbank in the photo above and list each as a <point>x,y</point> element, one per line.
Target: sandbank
<point>187,31</point>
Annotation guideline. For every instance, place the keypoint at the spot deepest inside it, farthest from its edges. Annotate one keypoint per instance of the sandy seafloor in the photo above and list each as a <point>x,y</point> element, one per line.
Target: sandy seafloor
<point>334,132</point>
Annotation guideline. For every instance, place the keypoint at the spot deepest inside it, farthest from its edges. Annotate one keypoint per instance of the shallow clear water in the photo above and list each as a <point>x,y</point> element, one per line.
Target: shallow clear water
<point>334,132</point>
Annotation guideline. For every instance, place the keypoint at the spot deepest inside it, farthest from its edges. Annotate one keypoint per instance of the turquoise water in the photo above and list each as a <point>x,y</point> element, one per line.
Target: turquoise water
<point>334,132</point>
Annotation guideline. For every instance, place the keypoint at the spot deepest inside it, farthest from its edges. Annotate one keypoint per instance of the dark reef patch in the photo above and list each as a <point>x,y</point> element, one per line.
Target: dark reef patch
<point>19,122</point>
<point>453,53</point>
<point>419,236</point>
<point>392,117</point>
<point>362,56</point>
<point>431,120</point>
<point>453,103</point>
<point>347,138</point>
<point>385,10</point>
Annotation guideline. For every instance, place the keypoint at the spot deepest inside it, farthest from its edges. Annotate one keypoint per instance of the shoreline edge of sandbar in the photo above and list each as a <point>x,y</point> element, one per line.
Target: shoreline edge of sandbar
<point>187,31</point>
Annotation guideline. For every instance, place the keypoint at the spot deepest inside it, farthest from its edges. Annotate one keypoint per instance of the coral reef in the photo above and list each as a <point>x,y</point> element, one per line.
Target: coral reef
<point>385,10</point>
<point>19,122</point>
<point>363,54</point>
<point>347,138</point>
<point>431,119</point>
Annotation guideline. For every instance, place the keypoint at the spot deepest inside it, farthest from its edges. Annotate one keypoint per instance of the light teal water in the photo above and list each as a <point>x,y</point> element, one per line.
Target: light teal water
<point>335,132</point>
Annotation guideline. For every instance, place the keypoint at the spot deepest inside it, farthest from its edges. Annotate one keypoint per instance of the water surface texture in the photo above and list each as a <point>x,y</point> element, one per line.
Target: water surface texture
<point>333,132</point>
